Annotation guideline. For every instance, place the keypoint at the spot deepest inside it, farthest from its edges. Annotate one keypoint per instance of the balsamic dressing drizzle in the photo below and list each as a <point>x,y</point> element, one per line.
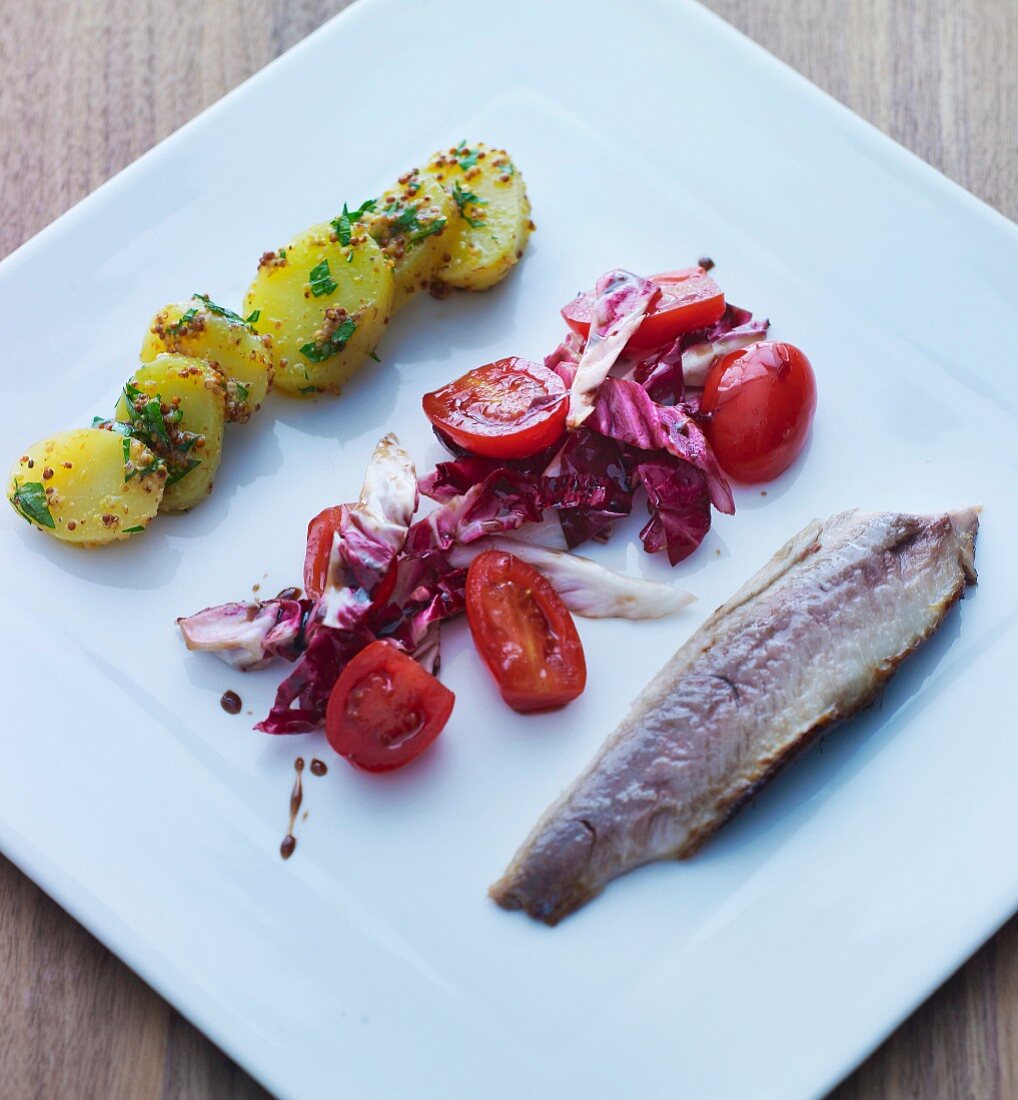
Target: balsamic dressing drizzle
<point>296,798</point>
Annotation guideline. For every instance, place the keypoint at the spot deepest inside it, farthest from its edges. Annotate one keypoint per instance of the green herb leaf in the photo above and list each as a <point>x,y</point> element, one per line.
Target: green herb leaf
<point>465,199</point>
<point>185,319</point>
<point>318,353</point>
<point>466,158</point>
<point>371,355</point>
<point>281,253</point>
<point>349,257</point>
<point>308,389</point>
<point>427,230</point>
<point>126,441</point>
<point>222,311</point>
<point>242,390</point>
<point>133,530</point>
<point>252,317</point>
<point>30,500</point>
<point>322,282</point>
<point>344,223</point>
<point>178,474</point>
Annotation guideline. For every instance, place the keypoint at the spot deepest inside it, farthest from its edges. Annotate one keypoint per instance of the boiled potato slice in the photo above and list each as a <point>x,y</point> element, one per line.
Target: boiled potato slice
<point>494,222</point>
<point>176,405</point>
<point>324,303</point>
<point>412,222</point>
<point>229,344</point>
<point>88,486</point>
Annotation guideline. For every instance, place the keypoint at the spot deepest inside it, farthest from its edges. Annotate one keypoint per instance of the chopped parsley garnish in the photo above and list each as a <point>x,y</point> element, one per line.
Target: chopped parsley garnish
<point>321,280</point>
<point>133,530</point>
<point>405,219</point>
<point>185,319</point>
<point>151,426</point>
<point>466,158</point>
<point>343,225</point>
<point>222,311</point>
<point>146,416</point>
<point>281,253</point>
<point>30,501</point>
<point>325,349</point>
<point>252,317</point>
<point>241,389</point>
<point>371,355</point>
<point>349,257</point>
<point>465,199</point>
<point>213,307</point>
<point>126,441</point>
<point>308,389</point>
<point>179,473</point>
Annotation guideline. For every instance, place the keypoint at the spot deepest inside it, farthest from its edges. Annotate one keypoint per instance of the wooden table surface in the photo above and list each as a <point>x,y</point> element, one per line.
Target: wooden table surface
<point>88,86</point>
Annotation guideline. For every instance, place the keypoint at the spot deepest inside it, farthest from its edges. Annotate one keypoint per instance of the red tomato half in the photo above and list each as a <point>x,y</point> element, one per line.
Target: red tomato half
<point>511,408</point>
<point>760,400</point>
<point>690,299</point>
<point>524,633</point>
<point>316,558</point>
<point>385,710</point>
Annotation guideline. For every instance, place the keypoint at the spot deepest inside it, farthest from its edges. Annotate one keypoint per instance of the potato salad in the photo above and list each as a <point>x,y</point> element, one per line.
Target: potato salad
<point>313,315</point>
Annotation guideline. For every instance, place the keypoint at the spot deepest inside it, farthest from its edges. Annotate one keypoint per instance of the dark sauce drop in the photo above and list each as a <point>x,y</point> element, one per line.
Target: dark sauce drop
<point>230,702</point>
<point>290,593</point>
<point>705,262</point>
<point>318,767</point>
<point>296,798</point>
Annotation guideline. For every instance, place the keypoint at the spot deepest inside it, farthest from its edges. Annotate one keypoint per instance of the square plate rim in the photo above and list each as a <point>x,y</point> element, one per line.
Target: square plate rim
<point>89,910</point>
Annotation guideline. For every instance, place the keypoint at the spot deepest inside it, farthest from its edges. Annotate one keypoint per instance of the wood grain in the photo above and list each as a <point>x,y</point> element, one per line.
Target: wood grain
<point>87,87</point>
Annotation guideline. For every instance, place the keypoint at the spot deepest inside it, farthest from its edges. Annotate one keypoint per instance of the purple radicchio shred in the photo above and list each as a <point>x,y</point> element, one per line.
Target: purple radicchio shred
<point>679,504</point>
<point>312,679</point>
<point>249,635</point>
<point>625,413</point>
<point>592,488</point>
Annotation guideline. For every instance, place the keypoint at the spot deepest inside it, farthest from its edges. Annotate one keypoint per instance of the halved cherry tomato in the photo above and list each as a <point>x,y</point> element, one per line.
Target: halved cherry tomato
<point>385,710</point>
<point>690,299</point>
<point>760,400</point>
<point>524,633</point>
<point>511,408</point>
<point>316,558</point>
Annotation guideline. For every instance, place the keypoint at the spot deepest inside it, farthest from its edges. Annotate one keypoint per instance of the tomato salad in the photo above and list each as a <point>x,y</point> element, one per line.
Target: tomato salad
<point>660,385</point>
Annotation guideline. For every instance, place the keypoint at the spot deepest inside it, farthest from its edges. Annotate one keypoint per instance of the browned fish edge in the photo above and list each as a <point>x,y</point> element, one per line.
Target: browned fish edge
<point>769,767</point>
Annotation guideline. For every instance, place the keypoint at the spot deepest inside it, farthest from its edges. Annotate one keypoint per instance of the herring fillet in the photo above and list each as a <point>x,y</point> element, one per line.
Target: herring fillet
<point>808,640</point>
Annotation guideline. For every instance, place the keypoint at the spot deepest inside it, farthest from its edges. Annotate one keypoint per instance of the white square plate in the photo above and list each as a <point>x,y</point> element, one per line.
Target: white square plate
<point>372,964</point>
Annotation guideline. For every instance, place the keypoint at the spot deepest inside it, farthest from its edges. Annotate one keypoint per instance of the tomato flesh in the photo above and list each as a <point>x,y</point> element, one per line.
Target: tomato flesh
<point>524,633</point>
<point>316,558</point>
<point>511,408</point>
<point>760,403</point>
<point>385,709</point>
<point>690,299</point>
<point>319,546</point>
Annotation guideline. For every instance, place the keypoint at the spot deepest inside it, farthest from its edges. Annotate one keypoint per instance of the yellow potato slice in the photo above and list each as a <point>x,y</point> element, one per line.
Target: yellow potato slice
<point>494,223</point>
<point>88,486</point>
<point>176,406</point>
<point>412,223</point>
<point>325,304</point>
<point>201,329</point>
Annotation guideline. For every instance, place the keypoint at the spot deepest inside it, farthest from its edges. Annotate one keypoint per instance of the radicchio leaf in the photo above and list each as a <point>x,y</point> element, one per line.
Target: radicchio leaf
<point>248,635</point>
<point>624,412</point>
<point>679,504</point>
<point>622,299</point>
<point>312,680</point>
<point>370,535</point>
<point>586,587</point>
